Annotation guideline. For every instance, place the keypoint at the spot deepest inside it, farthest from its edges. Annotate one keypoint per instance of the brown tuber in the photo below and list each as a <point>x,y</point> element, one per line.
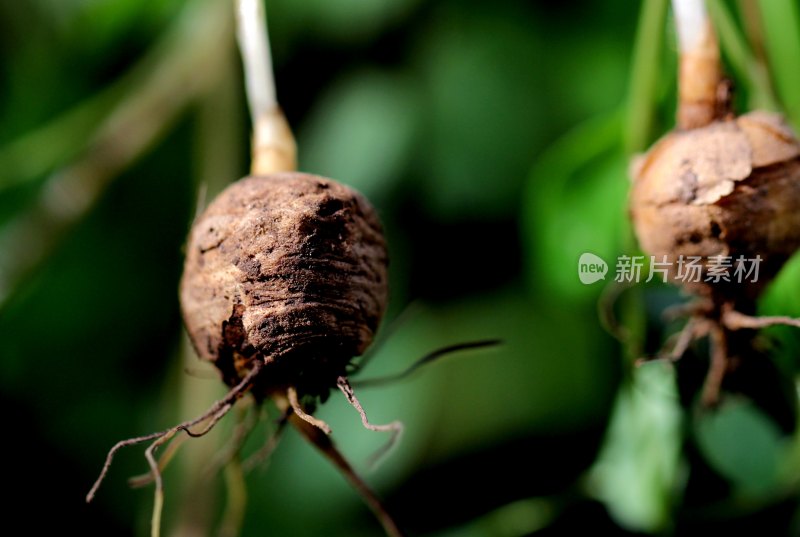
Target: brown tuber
<point>730,188</point>
<point>290,269</point>
<point>721,194</point>
<point>284,283</point>
<point>726,190</point>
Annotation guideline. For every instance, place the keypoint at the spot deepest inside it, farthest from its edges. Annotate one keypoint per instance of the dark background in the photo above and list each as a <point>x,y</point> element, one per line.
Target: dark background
<point>494,139</point>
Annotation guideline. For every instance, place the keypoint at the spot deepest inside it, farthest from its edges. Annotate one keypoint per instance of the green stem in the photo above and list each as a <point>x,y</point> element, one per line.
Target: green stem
<point>744,63</point>
<point>643,86</point>
<point>782,31</point>
<point>235,507</point>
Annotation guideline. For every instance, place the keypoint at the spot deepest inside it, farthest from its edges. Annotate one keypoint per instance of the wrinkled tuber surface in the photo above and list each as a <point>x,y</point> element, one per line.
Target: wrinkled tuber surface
<point>290,268</point>
<point>730,188</point>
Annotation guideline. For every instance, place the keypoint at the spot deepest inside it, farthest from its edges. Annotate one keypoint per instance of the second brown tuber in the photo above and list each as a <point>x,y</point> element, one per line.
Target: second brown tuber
<point>719,194</point>
<point>731,189</point>
<point>725,196</point>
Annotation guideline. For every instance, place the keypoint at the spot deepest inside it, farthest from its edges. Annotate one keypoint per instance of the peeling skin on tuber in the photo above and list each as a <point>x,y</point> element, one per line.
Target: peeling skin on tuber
<point>728,188</point>
<point>289,268</point>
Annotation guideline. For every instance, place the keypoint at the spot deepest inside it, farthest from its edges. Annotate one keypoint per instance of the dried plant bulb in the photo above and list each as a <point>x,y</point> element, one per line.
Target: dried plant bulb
<point>284,282</point>
<point>289,268</point>
<point>729,188</point>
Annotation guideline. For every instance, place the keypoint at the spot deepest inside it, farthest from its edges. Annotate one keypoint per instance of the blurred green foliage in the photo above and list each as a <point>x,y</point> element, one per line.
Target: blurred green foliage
<point>494,138</point>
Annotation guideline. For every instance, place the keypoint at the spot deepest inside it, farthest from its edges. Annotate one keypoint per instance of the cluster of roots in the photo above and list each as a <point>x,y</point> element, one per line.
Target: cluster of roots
<point>728,331</point>
<point>292,411</point>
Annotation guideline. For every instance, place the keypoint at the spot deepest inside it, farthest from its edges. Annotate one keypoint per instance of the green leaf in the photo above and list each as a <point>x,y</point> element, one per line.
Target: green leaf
<point>741,443</point>
<point>637,472</point>
<point>782,297</point>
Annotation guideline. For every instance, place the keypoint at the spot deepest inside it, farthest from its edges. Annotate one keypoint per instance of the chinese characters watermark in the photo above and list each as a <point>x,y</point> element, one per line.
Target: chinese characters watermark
<point>684,269</point>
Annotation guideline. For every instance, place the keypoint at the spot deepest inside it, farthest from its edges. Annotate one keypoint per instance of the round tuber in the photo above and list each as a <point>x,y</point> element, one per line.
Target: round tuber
<point>730,188</point>
<point>290,269</point>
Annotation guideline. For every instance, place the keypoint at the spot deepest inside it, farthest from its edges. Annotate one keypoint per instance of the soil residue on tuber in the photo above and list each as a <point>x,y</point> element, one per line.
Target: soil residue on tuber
<point>731,189</point>
<point>290,269</point>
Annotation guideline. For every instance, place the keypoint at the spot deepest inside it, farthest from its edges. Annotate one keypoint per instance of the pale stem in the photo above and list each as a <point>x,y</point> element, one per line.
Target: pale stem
<point>253,38</point>
<point>274,148</point>
<point>699,71</point>
<point>691,21</point>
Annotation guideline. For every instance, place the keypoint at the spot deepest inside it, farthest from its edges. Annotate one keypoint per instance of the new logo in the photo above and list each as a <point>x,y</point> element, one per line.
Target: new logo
<point>591,268</point>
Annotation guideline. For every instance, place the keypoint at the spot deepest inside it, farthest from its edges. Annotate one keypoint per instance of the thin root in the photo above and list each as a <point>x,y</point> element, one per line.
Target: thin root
<point>605,310</point>
<point>246,422</point>
<point>214,420</point>
<point>385,334</point>
<point>695,329</point>
<point>326,446</point>
<point>395,427</point>
<point>718,367</point>
<point>734,320</point>
<point>701,324</point>
<point>291,393</point>
<point>696,308</point>
<point>215,413</point>
<point>145,479</point>
<point>235,507</point>
<point>119,445</point>
<point>139,481</point>
<point>427,359</point>
<point>158,503</point>
<point>258,458</point>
